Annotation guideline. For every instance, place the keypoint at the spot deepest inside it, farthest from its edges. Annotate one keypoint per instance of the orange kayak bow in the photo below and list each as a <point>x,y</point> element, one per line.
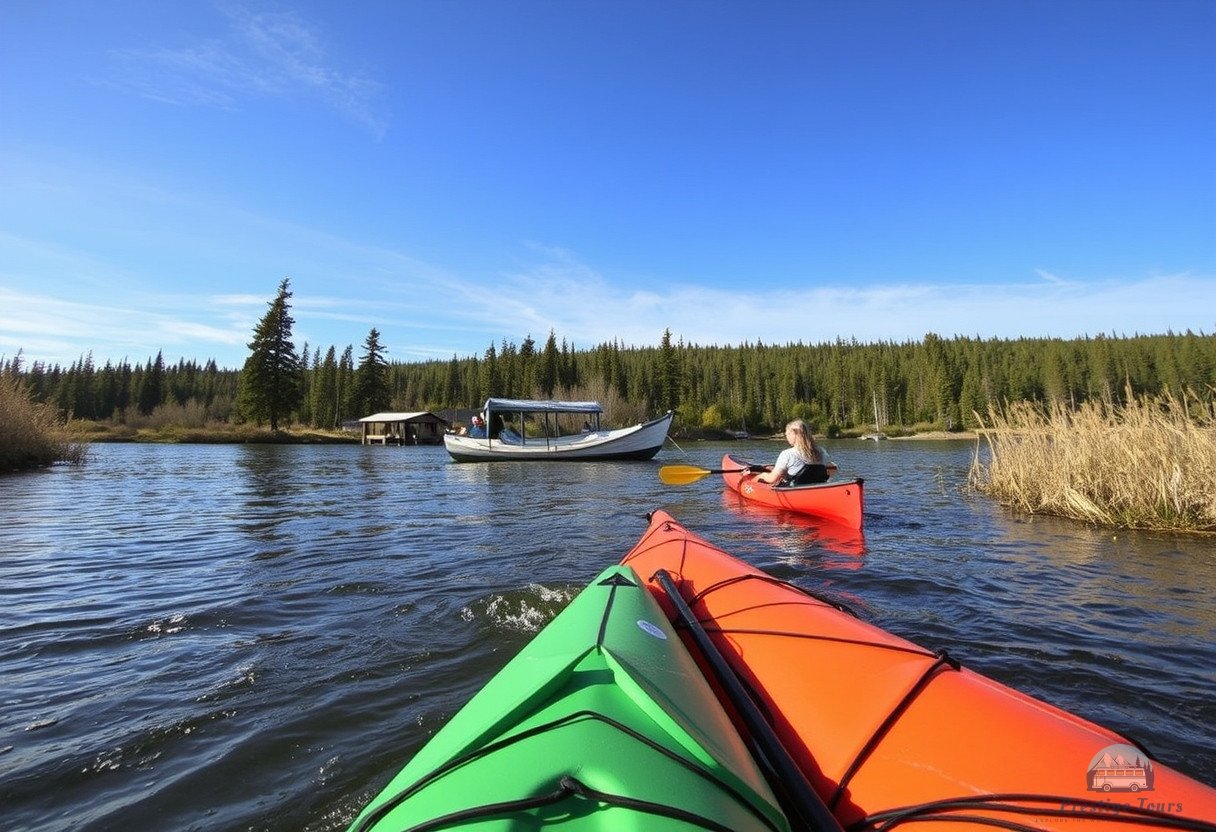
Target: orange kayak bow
<point>887,732</point>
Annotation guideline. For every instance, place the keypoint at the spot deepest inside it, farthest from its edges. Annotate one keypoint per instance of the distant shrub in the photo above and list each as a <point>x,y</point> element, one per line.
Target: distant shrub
<point>31,434</point>
<point>618,411</point>
<point>191,414</point>
<point>713,417</point>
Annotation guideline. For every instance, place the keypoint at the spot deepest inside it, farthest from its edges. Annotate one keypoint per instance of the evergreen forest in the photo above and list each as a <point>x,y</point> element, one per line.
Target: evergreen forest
<point>934,383</point>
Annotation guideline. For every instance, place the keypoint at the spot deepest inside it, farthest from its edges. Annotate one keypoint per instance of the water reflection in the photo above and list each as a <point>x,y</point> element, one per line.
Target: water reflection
<point>797,533</point>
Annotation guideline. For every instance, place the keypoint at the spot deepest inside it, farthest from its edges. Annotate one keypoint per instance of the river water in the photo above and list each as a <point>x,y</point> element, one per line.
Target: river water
<point>258,637</point>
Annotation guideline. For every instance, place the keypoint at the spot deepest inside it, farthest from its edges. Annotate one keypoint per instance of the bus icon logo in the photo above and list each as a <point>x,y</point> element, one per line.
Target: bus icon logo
<point>1120,768</point>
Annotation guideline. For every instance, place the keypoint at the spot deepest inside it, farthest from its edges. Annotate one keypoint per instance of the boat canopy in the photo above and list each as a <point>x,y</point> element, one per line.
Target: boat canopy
<point>542,406</point>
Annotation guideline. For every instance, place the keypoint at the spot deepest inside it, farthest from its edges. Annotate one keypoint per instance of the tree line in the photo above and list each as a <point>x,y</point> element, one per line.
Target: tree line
<point>932,383</point>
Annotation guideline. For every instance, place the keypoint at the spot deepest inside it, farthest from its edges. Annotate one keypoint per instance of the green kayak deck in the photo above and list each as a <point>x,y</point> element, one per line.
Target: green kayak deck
<point>603,721</point>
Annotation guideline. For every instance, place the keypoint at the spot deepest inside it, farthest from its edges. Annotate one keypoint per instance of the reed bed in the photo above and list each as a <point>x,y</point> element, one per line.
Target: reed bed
<point>1149,464</point>
<point>31,433</point>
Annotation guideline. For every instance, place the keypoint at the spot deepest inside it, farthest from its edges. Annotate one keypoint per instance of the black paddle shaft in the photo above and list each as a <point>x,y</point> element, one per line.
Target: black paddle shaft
<point>800,797</point>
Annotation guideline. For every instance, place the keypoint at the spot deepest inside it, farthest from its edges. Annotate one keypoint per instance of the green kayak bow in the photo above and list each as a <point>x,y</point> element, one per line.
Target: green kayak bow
<point>602,722</point>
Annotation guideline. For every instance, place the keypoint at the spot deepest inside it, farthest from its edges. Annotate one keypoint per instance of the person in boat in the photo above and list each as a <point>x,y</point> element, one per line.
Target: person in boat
<point>802,463</point>
<point>500,431</point>
<point>478,429</point>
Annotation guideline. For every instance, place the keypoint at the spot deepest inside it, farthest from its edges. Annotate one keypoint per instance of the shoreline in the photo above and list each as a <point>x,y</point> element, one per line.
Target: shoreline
<point>939,434</point>
<point>246,434</point>
<point>931,435</point>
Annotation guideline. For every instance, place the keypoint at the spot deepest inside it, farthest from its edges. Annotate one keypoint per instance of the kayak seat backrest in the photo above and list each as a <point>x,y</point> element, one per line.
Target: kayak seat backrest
<point>809,475</point>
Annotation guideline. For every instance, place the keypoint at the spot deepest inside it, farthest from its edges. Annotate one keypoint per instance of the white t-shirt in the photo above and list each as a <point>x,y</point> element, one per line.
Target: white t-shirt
<point>791,461</point>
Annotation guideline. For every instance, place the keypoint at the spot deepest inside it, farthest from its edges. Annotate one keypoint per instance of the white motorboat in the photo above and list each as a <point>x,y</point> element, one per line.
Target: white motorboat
<point>540,436</point>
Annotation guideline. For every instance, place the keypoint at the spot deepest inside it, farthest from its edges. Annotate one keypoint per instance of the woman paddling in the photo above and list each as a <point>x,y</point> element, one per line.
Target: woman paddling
<point>802,463</point>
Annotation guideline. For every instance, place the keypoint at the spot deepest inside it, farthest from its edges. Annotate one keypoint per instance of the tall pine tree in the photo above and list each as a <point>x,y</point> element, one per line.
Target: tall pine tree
<point>325,391</point>
<point>550,366</point>
<point>371,392</point>
<point>152,390</point>
<point>670,381</point>
<point>271,385</point>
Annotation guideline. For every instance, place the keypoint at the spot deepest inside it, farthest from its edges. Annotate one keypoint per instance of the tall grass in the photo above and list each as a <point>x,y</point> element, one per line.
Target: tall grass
<point>1149,464</point>
<point>31,434</point>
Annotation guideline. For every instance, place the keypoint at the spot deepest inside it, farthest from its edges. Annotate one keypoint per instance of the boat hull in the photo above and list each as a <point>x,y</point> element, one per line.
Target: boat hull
<point>602,722</point>
<point>877,723</point>
<point>641,441</point>
<point>839,501</point>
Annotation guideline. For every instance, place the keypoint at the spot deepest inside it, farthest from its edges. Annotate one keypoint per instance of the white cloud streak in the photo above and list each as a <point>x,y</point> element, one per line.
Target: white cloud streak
<point>585,309</point>
<point>264,55</point>
<point>61,298</point>
<point>58,331</point>
<point>575,301</point>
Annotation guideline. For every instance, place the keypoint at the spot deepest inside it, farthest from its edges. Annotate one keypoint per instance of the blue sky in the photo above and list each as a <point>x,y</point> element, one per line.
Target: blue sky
<point>458,173</point>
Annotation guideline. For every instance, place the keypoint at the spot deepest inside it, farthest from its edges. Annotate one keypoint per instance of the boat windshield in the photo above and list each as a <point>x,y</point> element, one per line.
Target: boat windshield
<point>545,416</point>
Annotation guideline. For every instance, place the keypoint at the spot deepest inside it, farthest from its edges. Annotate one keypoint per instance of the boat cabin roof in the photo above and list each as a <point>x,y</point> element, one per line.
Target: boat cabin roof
<point>542,406</point>
<point>424,415</point>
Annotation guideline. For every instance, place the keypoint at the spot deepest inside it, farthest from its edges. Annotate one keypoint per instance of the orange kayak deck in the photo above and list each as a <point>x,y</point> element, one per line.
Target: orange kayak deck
<point>888,732</point>
<point>840,501</point>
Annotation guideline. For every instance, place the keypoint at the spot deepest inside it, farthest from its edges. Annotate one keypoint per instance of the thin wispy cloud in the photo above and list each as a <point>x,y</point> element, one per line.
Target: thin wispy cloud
<point>178,332</point>
<point>585,309</point>
<point>343,286</point>
<point>239,300</point>
<point>263,55</point>
<point>57,331</point>
<point>578,303</point>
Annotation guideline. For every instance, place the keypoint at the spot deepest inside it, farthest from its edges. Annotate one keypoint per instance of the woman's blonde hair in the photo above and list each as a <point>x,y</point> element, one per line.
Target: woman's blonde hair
<point>804,441</point>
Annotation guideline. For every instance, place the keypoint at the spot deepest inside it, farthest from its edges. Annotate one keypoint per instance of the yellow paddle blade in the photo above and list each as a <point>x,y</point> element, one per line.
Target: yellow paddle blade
<point>682,474</point>
<point>685,474</point>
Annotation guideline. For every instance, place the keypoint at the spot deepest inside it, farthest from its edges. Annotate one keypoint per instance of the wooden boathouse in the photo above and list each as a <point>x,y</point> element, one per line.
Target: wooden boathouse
<point>424,428</point>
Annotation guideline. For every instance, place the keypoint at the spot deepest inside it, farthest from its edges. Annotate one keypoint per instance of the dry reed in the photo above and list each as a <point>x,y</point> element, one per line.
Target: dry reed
<point>31,434</point>
<point>1149,464</point>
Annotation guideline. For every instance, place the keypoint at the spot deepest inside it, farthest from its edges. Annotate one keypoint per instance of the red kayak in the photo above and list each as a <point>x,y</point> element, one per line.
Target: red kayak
<point>839,501</point>
<point>887,733</point>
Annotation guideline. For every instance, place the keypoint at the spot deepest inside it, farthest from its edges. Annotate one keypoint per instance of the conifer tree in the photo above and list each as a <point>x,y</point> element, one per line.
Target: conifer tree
<point>526,364</point>
<point>308,375</point>
<point>549,366</point>
<point>669,377</point>
<point>325,391</point>
<point>568,376</point>
<point>453,387</point>
<point>508,374</point>
<point>271,386</point>
<point>346,383</point>
<point>152,390</point>
<point>490,383</point>
<point>371,392</point>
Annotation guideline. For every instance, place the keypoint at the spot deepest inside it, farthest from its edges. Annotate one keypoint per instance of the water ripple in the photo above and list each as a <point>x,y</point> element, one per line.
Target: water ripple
<point>242,637</point>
